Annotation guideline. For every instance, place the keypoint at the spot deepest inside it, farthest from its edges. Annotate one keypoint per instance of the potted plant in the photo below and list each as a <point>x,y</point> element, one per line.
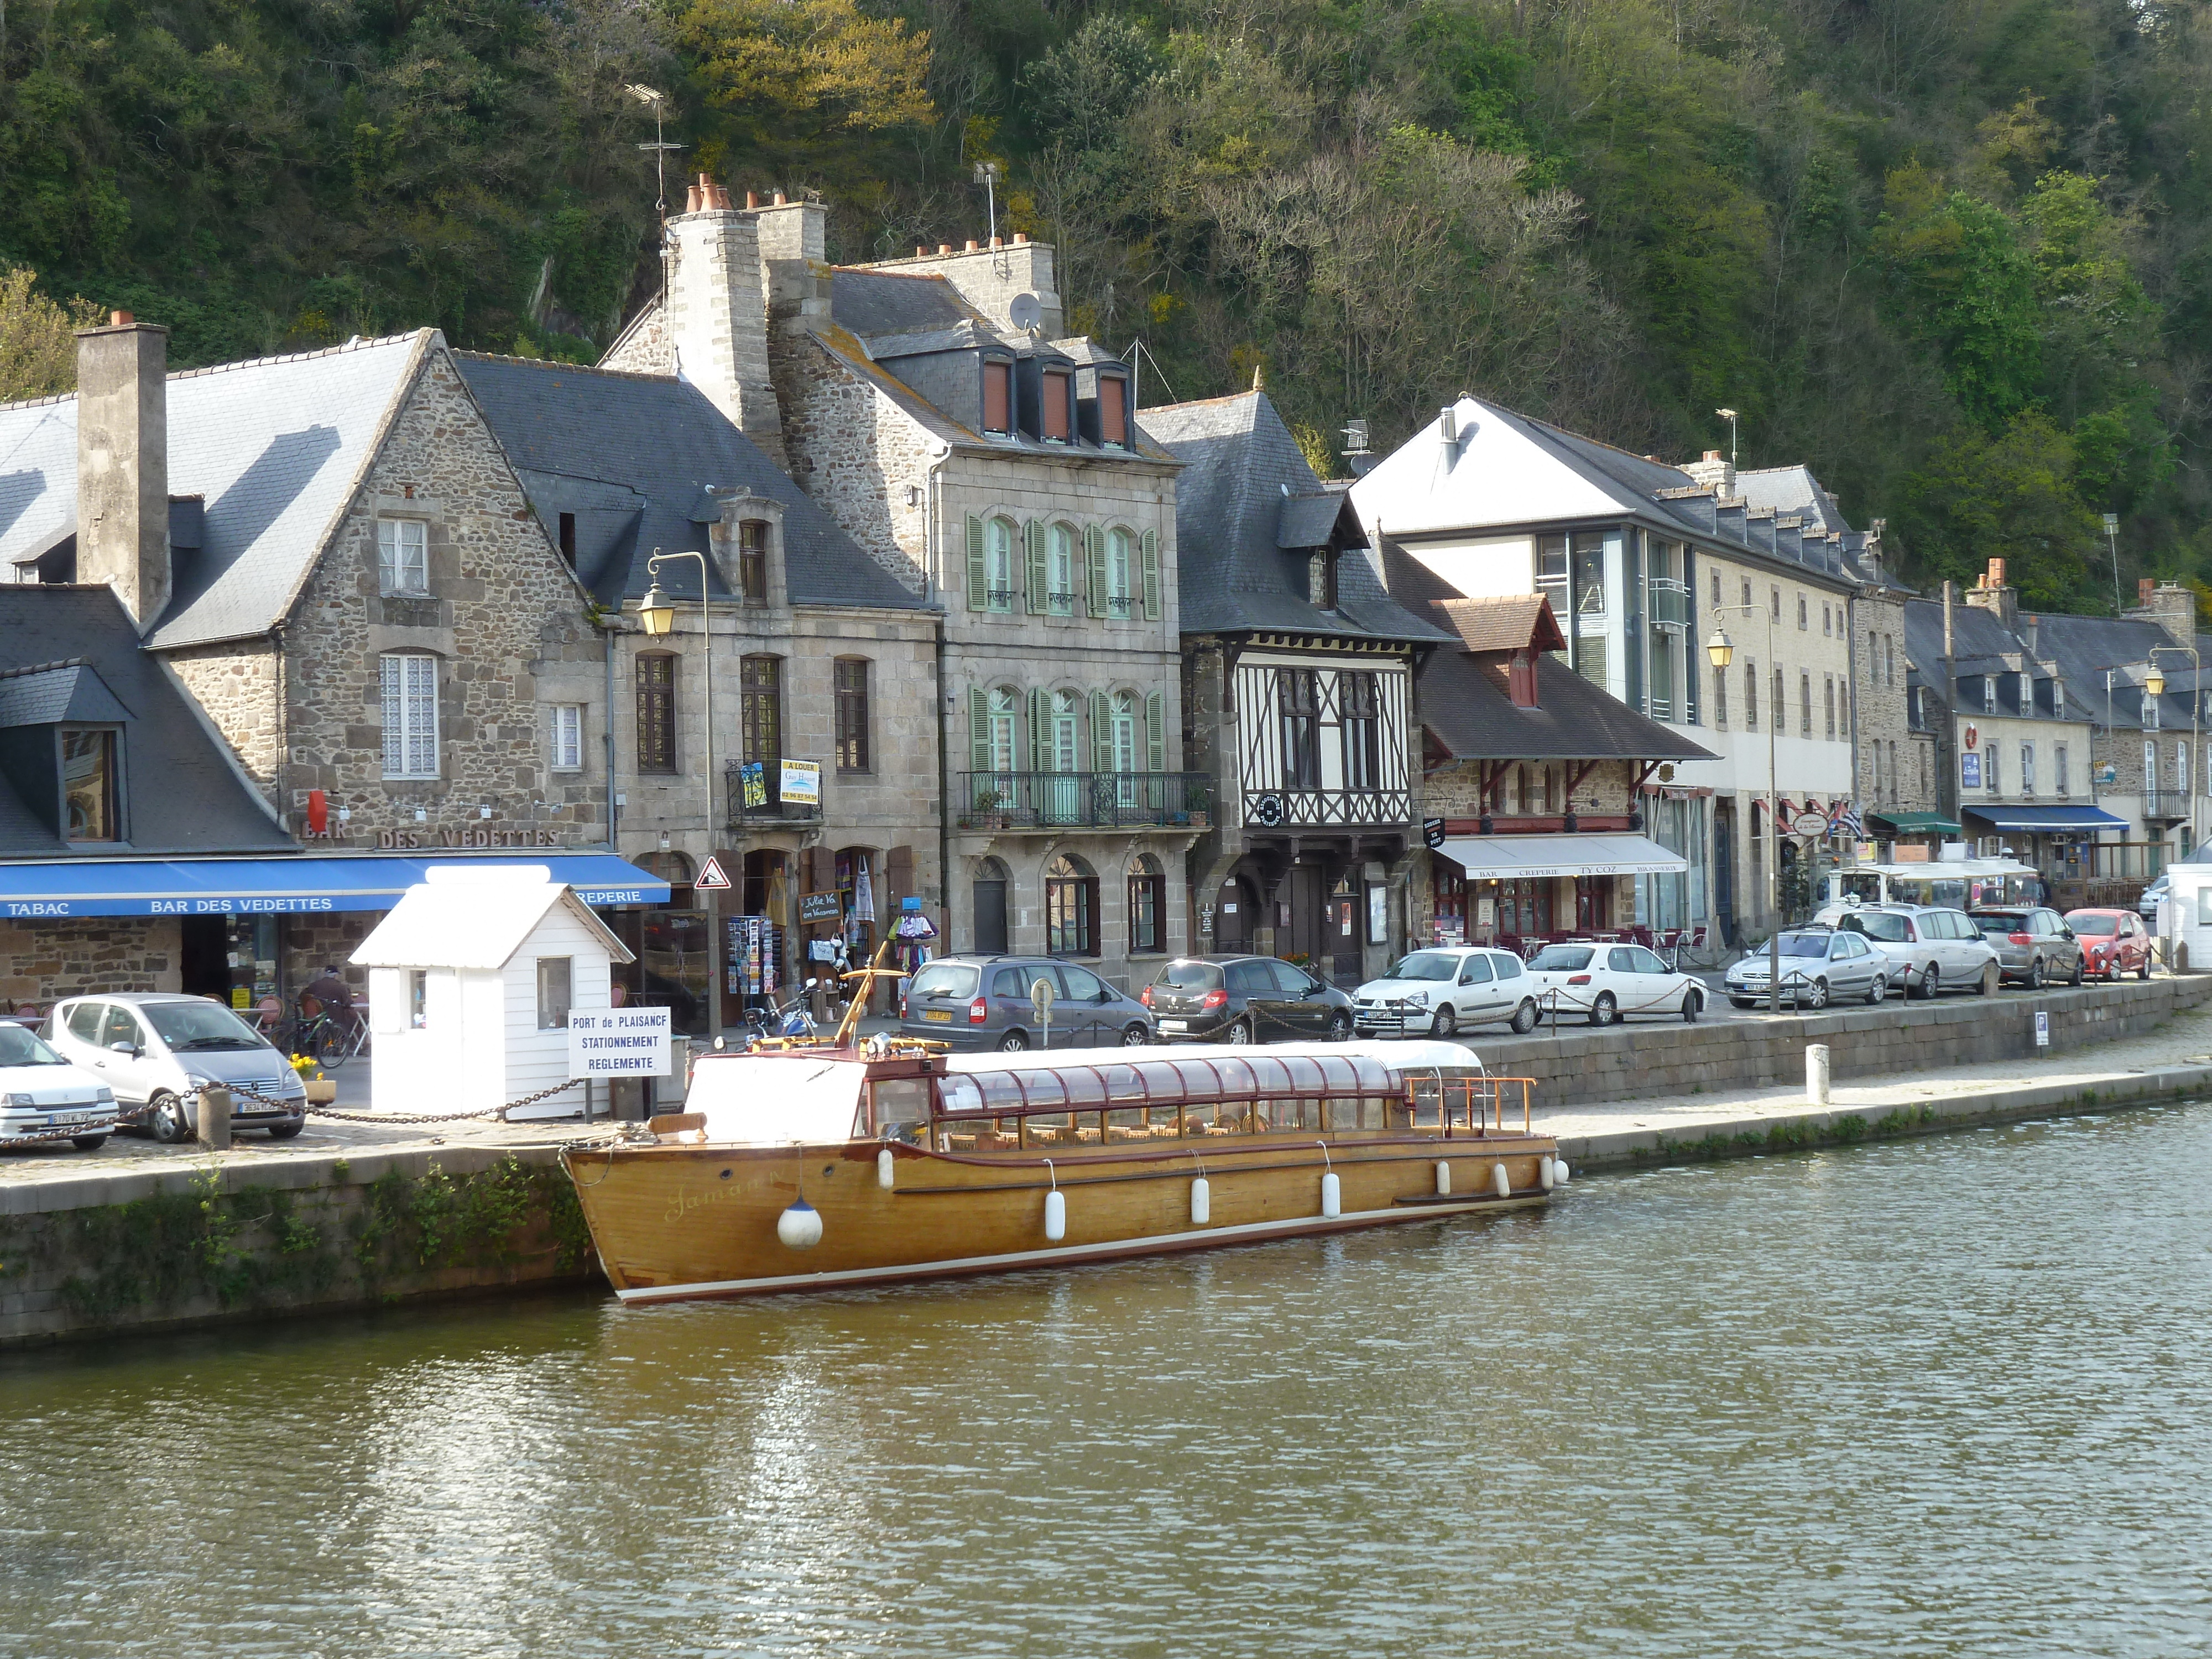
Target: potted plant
<point>321,1091</point>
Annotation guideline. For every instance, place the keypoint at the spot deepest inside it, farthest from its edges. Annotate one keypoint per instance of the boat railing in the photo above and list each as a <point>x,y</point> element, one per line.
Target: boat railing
<point>1473,1105</point>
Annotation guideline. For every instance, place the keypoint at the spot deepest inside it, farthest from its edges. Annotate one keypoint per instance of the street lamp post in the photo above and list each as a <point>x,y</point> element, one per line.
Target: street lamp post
<point>2154,682</point>
<point>1720,651</point>
<point>2112,540</point>
<point>659,616</point>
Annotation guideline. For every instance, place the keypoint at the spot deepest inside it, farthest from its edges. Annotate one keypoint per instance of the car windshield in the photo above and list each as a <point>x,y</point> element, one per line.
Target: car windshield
<point>2101,926</point>
<point>19,1047</point>
<point>200,1025</point>
<point>944,980</point>
<point>1191,975</point>
<point>1562,958</point>
<point>1804,944</point>
<point>1876,924</point>
<point>2001,924</point>
<point>1426,965</point>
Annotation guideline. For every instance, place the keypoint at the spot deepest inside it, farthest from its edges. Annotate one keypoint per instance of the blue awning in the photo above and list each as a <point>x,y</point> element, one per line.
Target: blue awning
<point>301,885</point>
<point>2046,820</point>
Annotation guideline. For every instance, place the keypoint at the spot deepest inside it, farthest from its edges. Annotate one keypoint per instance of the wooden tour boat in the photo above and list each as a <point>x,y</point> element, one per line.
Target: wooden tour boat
<point>814,1167</point>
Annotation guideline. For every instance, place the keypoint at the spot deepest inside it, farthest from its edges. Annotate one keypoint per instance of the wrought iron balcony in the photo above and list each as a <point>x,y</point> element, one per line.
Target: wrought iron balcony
<point>1054,800</point>
<point>767,805</point>
<point>2165,803</point>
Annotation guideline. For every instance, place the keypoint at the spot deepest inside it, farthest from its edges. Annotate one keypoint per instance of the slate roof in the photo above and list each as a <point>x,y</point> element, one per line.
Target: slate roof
<point>1245,487</point>
<point>1465,706</point>
<point>51,692</point>
<point>184,793</point>
<point>1790,489</point>
<point>2077,649</point>
<point>874,302</point>
<point>276,447</point>
<point>633,456</point>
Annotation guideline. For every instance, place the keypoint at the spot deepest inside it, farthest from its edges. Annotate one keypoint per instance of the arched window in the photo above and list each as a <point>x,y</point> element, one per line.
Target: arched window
<point>1071,908</point>
<point>1121,562</point>
<point>1148,904</point>
<point>998,569</point>
<point>1121,745</point>
<point>1063,750</point>
<point>1000,729</point>
<point>1060,572</point>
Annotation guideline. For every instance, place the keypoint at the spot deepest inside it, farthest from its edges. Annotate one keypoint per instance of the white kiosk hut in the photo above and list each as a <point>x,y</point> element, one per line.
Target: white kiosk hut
<point>472,976</point>
<point>2184,915</point>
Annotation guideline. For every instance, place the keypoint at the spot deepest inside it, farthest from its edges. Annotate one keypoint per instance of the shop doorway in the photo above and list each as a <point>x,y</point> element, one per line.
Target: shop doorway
<point>990,896</point>
<point>1308,935</point>
<point>205,956</point>
<point>1232,917</point>
<point>1593,903</point>
<point>1341,948</point>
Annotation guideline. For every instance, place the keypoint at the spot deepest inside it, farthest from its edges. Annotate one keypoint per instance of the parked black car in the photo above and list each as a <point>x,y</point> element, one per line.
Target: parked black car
<point>1245,1000</point>
<point>983,1002</point>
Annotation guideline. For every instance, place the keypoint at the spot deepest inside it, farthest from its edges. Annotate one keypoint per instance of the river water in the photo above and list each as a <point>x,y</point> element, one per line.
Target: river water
<point>1948,1397</point>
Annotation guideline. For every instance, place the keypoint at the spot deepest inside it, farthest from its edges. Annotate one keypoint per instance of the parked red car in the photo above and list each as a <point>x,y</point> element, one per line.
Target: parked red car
<point>2113,942</point>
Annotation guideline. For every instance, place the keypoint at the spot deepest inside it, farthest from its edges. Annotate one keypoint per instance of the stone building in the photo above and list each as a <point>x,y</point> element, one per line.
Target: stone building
<point>1298,699</point>
<point>993,469</point>
<point>332,554</point>
<point>824,678</point>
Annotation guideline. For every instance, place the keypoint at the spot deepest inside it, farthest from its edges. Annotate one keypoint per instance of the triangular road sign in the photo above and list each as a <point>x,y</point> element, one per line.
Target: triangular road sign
<point>712,878</point>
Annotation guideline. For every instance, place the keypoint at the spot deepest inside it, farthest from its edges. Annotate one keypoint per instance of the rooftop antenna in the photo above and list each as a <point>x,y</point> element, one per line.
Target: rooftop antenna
<point>658,102</point>
<point>1728,415</point>
<point>987,174</point>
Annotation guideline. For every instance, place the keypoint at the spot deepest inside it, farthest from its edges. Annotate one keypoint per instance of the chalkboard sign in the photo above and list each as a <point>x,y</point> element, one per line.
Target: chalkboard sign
<point>820,907</point>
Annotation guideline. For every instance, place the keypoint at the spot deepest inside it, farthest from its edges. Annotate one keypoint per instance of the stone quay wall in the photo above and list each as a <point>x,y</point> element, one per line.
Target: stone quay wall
<point>208,1242</point>
<point>1581,1065</point>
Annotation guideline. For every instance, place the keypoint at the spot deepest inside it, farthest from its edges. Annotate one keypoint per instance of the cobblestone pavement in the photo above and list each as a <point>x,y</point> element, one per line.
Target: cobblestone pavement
<point>2187,1038</point>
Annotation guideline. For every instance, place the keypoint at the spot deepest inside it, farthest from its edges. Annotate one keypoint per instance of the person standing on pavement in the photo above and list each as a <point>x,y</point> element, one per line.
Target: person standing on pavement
<point>336,1001</point>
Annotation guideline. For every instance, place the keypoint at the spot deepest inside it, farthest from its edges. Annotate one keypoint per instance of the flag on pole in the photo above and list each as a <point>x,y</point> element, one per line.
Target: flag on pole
<point>1844,815</point>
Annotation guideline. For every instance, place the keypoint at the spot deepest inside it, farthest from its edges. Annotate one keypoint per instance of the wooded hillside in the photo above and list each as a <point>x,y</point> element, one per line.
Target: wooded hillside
<point>1953,253</point>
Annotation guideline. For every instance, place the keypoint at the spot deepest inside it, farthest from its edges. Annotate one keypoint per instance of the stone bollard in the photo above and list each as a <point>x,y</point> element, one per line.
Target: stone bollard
<point>1816,1073</point>
<point>215,1117</point>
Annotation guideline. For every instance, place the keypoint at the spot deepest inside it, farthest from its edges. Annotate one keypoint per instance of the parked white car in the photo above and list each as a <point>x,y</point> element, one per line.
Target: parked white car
<point>1609,983</point>
<point>40,1093</point>
<point>156,1050</point>
<point>1434,992</point>
<point>1928,947</point>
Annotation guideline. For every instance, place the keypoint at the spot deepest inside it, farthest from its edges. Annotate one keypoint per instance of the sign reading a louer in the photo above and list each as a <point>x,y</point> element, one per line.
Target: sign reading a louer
<point>619,1042</point>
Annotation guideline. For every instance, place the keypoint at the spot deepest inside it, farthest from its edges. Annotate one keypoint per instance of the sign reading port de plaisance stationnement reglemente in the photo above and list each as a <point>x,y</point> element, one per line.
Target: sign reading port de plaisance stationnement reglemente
<point>619,1042</point>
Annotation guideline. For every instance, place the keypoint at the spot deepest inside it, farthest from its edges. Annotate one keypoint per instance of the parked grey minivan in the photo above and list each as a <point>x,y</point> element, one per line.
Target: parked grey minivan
<point>155,1049</point>
<point>984,1002</point>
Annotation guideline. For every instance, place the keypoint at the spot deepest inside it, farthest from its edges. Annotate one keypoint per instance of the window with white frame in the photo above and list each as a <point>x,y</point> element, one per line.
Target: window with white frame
<point>568,737</point>
<point>411,714</point>
<point>403,556</point>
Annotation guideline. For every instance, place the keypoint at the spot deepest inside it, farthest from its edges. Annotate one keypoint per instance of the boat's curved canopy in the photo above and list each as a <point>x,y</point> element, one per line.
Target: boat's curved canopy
<point>1107,1078</point>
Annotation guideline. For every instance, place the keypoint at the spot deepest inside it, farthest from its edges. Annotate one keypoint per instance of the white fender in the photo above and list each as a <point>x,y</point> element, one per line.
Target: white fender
<point>1443,1179</point>
<point>1559,1171</point>
<point>1055,1215</point>
<point>1201,1202</point>
<point>799,1227</point>
<point>1500,1182</point>
<point>884,1164</point>
<point>1332,1196</point>
<point>1547,1172</point>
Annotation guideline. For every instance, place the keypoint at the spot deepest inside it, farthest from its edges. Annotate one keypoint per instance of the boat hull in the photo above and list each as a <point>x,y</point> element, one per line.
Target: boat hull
<point>678,1222</point>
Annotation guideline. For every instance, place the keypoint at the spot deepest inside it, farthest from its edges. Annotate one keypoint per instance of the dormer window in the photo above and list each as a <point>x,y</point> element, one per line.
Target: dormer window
<point>752,561</point>
<point>88,785</point>
<point>1989,694</point>
<point>1321,578</point>
<point>1113,412</point>
<point>1059,414</point>
<point>997,396</point>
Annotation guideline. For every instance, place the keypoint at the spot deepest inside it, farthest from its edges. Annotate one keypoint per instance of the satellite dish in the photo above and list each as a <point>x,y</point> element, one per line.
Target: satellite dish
<point>1024,313</point>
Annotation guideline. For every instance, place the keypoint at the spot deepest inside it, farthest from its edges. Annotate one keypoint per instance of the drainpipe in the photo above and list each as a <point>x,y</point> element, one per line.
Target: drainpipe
<point>607,627</point>
<point>933,588</point>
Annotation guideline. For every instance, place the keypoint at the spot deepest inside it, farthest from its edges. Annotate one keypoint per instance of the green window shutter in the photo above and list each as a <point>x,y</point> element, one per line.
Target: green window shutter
<point>1094,556</point>
<point>1033,583</point>
<point>1156,737</point>
<point>979,579</point>
<point>1152,578</point>
<point>1039,730</point>
<point>1102,733</point>
<point>979,729</point>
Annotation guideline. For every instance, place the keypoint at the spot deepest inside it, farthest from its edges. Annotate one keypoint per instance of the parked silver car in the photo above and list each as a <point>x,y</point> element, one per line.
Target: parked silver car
<point>984,1002</point>
<point>1928,947</point>
<point>2033,945</point>
<point>156,1050</point>
<point>1819,965</point>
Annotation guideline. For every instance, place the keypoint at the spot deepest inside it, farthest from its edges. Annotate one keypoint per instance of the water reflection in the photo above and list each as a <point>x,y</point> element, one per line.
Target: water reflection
<point>1943,1398</point>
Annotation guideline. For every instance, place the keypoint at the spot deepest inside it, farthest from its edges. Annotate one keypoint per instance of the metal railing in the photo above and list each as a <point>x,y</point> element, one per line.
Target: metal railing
<point>2165,803</point>
<point>1046,800</point>
<point>770,807</point>
<point>1669,602</point>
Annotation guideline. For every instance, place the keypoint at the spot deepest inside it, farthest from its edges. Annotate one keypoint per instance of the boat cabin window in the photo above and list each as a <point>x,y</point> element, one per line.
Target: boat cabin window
<point>901,1108</point>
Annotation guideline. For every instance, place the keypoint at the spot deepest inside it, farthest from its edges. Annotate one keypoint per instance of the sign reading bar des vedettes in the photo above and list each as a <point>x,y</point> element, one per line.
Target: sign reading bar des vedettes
<point>619,1042</point>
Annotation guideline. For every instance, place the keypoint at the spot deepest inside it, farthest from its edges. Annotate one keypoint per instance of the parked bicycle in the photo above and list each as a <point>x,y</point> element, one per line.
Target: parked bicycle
<point>329,1039</point>
<point>793,1019</point>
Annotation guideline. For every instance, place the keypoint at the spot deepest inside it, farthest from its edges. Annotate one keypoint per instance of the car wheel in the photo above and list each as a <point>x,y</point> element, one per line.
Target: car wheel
<point>2142,970</point>
<point>1931,981</point>
<point>1339,1027</point>
<point>1013,1043</point>
<point>1605,1011</point>
<point>1134,1037</point>
<point>88,1143</point>
<point>286,1130</point>
<point>1445,1023</point>
<point>1689,1007</point>
<point>2035,973</point>
<point>1818,997</point>
<point>2077,978</point>
<point>1239,1032</point>
<point>1991,978</point>
<point>166,1116</point>
<point>1525,1017</point>
<point>1879,991</point>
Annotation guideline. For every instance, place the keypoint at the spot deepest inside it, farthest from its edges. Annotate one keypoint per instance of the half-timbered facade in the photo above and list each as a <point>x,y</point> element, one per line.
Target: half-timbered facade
<point>1299,681</point>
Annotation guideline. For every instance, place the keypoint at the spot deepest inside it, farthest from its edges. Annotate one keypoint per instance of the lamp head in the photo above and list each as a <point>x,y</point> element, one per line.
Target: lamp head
<point>2154,681</point>
<point>654,610</point>
<point>1720,650</point>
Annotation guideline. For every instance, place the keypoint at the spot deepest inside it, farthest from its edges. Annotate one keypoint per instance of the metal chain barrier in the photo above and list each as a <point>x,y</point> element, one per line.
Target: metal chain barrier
<point>137,1114</point>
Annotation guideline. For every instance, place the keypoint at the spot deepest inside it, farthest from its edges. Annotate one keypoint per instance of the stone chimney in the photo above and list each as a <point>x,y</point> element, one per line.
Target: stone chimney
<point>718,311</point>
<point>123,463</point>
<point>2169,605</point>
<point>1991,594</point>
<point>991,279</point>
<point>1716,471</point>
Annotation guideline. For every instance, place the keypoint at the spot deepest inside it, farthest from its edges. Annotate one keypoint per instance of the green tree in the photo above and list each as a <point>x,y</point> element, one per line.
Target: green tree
<point>37,341</point>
